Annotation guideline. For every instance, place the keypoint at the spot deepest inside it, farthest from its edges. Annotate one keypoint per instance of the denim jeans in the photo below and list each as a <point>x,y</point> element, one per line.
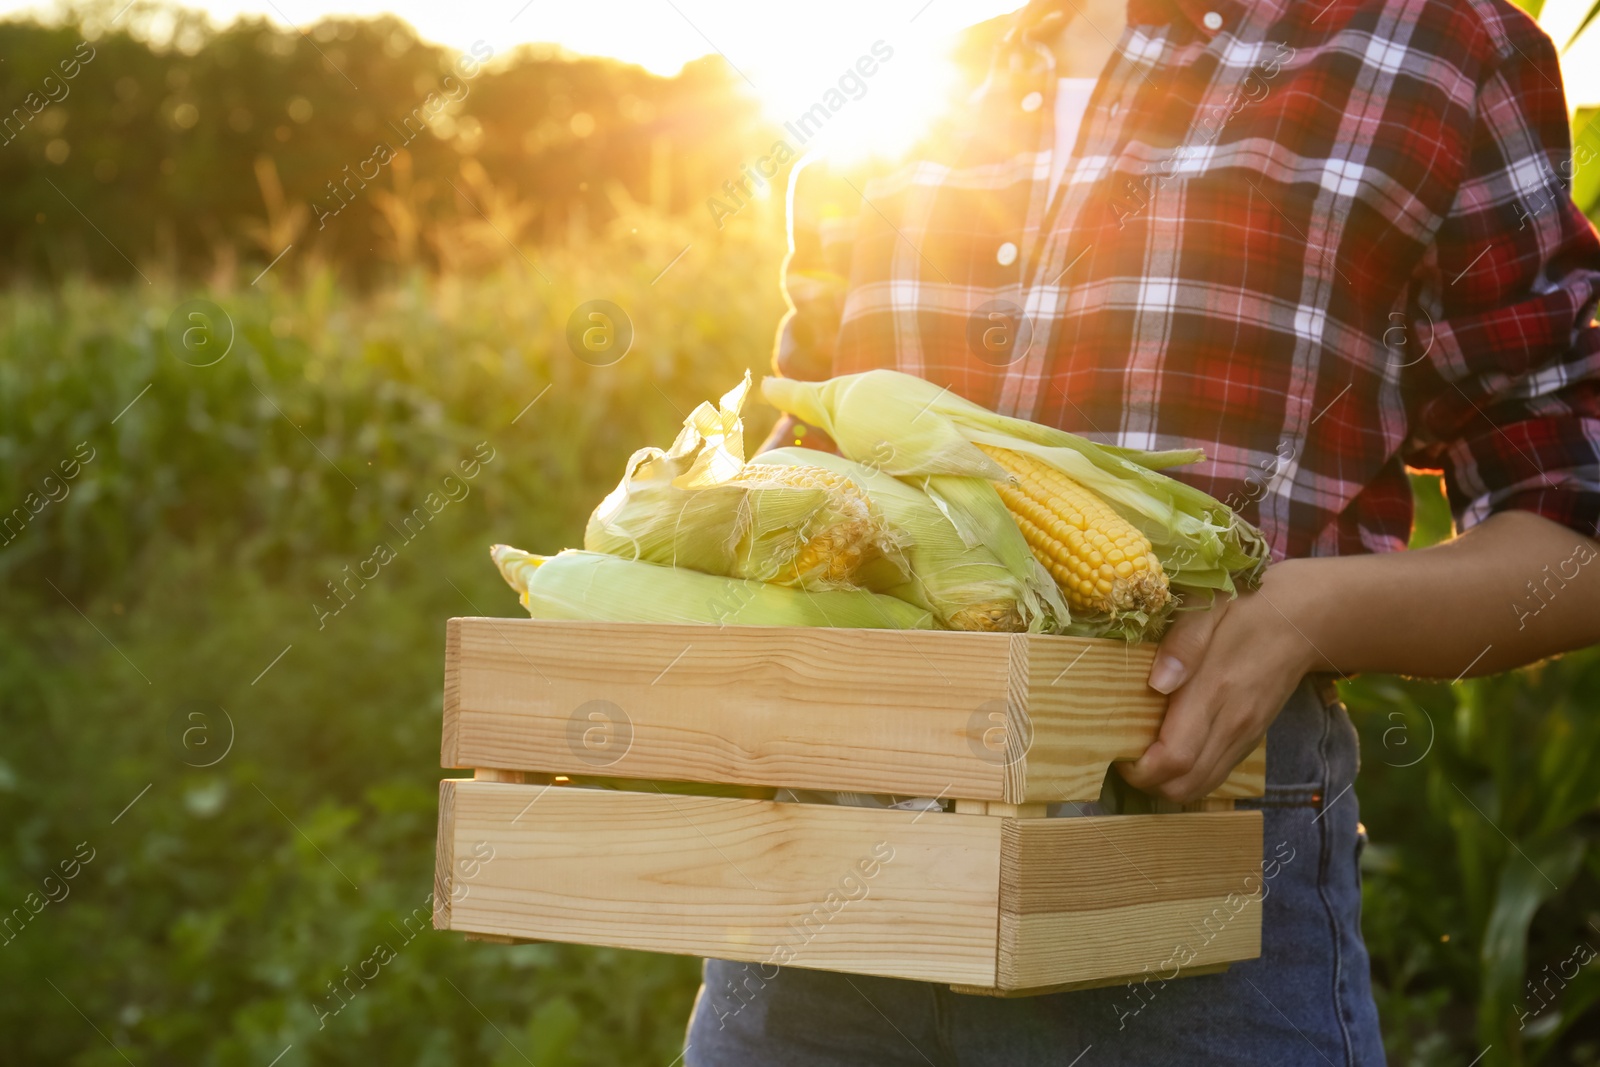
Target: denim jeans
<point>1306,1000</point>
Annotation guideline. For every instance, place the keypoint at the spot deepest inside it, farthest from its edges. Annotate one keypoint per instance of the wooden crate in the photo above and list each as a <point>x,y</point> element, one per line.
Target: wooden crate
<point>990,897</point>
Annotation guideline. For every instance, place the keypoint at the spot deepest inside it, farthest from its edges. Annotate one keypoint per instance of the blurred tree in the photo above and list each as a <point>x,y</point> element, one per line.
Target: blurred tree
<point>249,138</point>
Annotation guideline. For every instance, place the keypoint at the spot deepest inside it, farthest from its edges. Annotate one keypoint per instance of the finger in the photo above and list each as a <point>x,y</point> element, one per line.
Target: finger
<point>1181,650</point>
<point>1229,742</point>
<point>1184,733</point>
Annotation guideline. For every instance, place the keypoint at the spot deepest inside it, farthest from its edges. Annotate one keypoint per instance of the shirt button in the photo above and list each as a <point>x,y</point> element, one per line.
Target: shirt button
<point>1006,255</point>
<point>1212,20</point>
<point>1032,101</point>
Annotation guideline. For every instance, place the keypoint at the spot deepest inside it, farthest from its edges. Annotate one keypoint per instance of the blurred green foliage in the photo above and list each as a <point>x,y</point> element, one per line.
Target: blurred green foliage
<point>1482,800</point>
<point>1481,878</point>
<point>197,544</point>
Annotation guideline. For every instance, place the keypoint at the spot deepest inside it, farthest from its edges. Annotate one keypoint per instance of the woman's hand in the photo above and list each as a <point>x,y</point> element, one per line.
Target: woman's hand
<point>1515,588</point>
<point>1228,670</point>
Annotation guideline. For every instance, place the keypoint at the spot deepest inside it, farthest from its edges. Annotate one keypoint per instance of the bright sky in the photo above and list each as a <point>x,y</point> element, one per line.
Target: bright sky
<point>790,54</point>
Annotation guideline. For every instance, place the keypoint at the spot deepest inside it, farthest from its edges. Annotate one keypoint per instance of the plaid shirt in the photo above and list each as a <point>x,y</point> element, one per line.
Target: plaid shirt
<point>1322,242</point>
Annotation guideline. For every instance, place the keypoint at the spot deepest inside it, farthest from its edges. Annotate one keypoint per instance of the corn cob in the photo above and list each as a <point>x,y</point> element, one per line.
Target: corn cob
<point>965,585</point>
<point>1204,547</point>
<point>849,538</point>
<point>594,586</point>
<point>1101,562</point>
<point>800,526</point>
<point>998,617</point>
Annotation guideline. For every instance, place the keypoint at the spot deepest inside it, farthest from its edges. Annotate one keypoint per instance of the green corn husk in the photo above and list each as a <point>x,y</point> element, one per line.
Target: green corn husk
<point>913,429</point>
<point>698,505</point>
<point>972,574</point>
<point>594,586</point>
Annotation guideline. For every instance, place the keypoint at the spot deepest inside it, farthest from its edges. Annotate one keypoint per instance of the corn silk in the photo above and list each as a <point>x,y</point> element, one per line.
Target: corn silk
<point>699,505</point>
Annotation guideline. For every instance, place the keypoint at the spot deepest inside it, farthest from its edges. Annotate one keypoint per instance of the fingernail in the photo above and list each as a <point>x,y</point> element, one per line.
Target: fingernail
<point>1167,674</point>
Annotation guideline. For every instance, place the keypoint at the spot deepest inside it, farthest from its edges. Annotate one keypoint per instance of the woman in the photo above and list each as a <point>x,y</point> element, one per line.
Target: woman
<point>1322,242</point>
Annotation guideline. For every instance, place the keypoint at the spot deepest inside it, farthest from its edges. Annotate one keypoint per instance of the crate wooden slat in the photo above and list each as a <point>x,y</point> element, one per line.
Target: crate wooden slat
<point>1015,718</point>
<point>726,877</point>
<point>985,903</point>
<point>1077,894</point>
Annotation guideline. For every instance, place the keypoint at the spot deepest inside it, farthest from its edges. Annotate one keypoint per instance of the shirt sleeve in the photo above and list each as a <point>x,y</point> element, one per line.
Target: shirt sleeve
<point>1508,399</point>
<point>816,271</point>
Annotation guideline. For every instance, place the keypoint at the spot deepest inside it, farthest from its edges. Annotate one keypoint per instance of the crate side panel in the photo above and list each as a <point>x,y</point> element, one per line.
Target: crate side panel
<point>883,711</point>
<point>1248,779</point>
<point>444,854</point>
<point>1164,939</point>
<point>846,889</point>
<point>1089,704</point>
<point>452,694</point>
<point>1077,864</point>
<point>1088,898</point>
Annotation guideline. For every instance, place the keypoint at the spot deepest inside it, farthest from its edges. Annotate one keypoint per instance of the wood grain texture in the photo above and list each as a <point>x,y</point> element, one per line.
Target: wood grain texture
<point>444,854</point>
<point>1071,987</point>
<point>452,693</point>
<point>1085,898</point>
<point>1019,718</point>
<point>858,890</point>
<point>856,710</point>
<point>1085,704</point>
<point>1042,950</point>
<point>994,905</point>
<point>1248,779</point>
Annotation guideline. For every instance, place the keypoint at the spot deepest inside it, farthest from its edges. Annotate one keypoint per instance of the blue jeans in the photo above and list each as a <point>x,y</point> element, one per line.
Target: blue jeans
<point>1306,1000</point>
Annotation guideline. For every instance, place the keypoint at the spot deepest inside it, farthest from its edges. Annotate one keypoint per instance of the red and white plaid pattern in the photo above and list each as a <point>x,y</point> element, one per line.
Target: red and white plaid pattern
<point>1320,241</point>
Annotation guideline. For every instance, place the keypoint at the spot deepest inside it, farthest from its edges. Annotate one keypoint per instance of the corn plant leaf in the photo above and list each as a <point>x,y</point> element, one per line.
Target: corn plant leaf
<point>1586,160</point>
<point>1588,17</point>
<point>1530,874</point>
<point>1577,997</point>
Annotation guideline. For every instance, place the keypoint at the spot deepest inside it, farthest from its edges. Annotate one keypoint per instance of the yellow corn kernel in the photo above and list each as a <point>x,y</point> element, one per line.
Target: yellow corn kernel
<point>1101,561</point>
<point>835,553</point>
